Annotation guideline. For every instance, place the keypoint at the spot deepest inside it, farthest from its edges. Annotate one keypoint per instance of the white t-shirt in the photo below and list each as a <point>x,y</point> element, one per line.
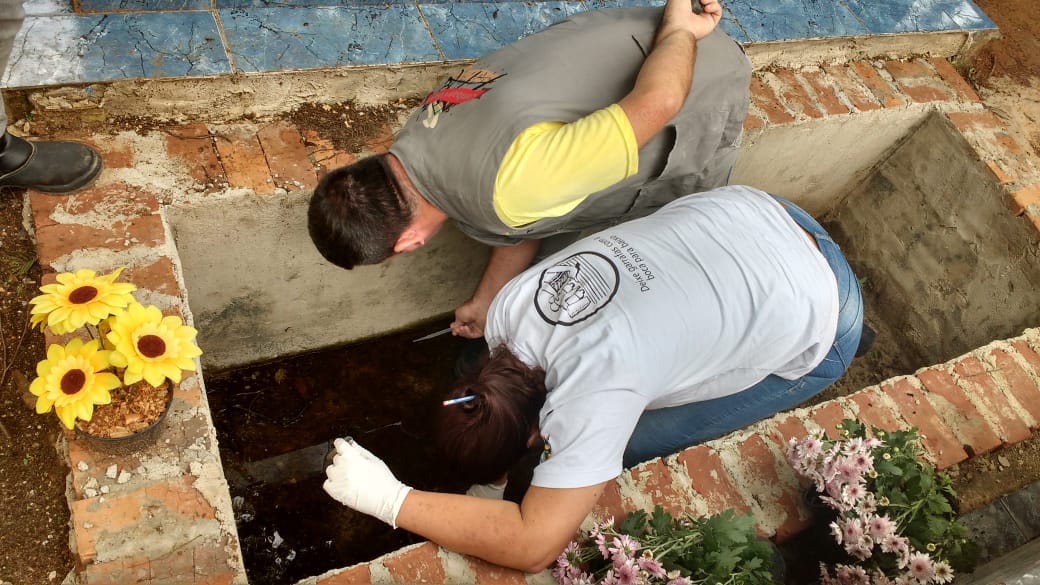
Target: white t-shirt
<point>702,299</point>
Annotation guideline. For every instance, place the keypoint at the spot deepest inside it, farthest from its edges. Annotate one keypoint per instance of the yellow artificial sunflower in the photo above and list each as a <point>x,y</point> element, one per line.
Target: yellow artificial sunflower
<point>79,298</point>
<point>72,380</point>
<point>150,346</point>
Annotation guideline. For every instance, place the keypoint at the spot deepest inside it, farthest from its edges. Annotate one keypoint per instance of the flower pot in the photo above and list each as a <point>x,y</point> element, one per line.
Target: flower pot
<point>132,420</point>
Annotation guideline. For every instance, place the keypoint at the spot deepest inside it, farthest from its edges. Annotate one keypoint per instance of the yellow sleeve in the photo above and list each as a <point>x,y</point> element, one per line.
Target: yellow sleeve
<point>552,167</point>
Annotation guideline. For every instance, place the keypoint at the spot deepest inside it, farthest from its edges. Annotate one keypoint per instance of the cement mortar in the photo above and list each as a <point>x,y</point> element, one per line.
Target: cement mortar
<point>251,306</point>
<point>931,232</point>
<point>261,95</point>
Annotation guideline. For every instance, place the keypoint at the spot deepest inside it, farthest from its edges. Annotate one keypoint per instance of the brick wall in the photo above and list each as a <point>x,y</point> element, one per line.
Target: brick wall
<point>161,514</point>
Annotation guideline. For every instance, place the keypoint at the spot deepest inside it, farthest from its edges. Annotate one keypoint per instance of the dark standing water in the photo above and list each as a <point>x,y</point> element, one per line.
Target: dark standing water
<point>276,423</point>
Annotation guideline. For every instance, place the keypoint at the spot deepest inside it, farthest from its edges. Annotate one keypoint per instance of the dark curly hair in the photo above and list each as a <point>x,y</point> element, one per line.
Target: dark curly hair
<point>480,440</point>
<point>357,213</point>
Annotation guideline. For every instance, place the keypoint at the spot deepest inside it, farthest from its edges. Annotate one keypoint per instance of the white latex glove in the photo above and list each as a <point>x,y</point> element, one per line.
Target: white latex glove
<point>488,491</point>
<point>360,480</point>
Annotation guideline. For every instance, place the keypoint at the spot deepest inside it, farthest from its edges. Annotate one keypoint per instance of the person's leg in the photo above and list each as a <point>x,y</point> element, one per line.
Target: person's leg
<point>668,430</point>
<point>48,166</point>
<point>11,16</point>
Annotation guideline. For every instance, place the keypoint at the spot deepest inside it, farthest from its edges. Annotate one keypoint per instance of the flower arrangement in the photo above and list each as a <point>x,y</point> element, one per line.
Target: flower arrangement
<point>659,549</point>
<point>894,522</point>
<point>127,346</point>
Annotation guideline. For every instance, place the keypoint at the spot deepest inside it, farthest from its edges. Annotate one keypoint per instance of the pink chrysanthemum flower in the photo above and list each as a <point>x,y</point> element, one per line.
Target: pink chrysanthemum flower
<point>652,565</point>
<point>852,528</point>
<point>893,543</point>
<point>837,532</point>
<point>880,527</point>
<point>628,573</point>
<point>921,566</point>
<point>623,547</point>
<point>850,575</point>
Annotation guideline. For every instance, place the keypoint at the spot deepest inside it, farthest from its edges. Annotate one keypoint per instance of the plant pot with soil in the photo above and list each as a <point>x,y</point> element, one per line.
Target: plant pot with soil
<point>114,377</point>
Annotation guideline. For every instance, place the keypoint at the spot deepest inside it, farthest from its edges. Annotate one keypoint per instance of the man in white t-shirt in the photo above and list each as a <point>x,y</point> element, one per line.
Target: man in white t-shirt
<point>716,311</point>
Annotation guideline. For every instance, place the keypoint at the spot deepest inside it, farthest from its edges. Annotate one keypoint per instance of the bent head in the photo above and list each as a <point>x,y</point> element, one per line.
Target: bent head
<point>481,439</point>
<point>358,212</point>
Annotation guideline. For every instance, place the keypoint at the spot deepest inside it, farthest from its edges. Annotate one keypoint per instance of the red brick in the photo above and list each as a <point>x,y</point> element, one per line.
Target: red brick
<point>968,122</point>
<point>961,415</point>
<point>1002,177</point>
<point>122,572</point>
<point>939,441</point>
<point>710,480</point>
<point>655,481</point>
<point>849,84</point>
<point>358,575</point>
<point>134,510</point>
<point>193,145</point>
<point>211,563</point>
<point>782,430</point>
<point>243,159</point>
<point>978,382</point>
<point>752,122</point>
<point>159,276</point>
<point>56,241</point>
<point>1006,142</point>
<point>287,157</point>
<point>1030,355</point>
<point>1021,386</point>
<point>417,565</point>
<point>873,81</point>
<point>116,151</point>
<point>760,463</point>
<point>488,574</point>
<point>961,88</point>
<point>825,92</point>
<point>380,142</point>
<point>114,199</point>
<point>829,415</point>
<point>610,503</point>
<point>325,154</point>
<point>918,82</point>
<point>766,100</point>
<point>795,95</point>
<point>874,410</point>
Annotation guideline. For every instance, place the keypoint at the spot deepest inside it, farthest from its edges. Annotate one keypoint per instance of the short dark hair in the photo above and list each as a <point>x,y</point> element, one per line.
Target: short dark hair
<point>357,213</point>
<point>480,440</point>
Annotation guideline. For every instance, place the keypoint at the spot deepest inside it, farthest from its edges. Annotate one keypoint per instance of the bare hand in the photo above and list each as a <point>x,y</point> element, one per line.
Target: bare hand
<point>469,319</point>
<point>679,15</point>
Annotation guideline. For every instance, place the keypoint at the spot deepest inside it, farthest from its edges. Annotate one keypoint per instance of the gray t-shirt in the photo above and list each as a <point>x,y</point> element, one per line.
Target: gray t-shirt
<point>702,299</point>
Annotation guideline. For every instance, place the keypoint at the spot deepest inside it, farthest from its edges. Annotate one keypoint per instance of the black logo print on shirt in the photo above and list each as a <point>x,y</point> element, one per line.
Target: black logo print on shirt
<point>576,288</point>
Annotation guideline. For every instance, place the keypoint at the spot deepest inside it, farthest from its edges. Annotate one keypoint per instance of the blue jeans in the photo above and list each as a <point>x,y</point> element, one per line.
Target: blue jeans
<point>668,430</point>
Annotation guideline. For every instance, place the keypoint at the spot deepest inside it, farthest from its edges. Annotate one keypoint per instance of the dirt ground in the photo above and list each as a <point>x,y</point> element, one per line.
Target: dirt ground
<point>33,510</point>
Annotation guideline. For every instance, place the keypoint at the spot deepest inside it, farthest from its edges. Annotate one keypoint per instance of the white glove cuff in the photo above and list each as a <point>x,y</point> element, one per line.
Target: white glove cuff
<point>389,513</point>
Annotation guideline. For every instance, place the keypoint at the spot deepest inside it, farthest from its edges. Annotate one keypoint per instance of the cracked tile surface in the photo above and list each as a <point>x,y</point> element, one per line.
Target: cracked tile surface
<point>267,39</point>
<point>114,46</point>
<point>102,40</point>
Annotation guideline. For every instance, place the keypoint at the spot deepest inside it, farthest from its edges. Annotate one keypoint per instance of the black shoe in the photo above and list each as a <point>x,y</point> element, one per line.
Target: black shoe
<point>866,339</point>
<point>47,166</point>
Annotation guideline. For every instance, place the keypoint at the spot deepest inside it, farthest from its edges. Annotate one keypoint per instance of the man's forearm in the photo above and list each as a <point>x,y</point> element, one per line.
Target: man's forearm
<point>505,263</point>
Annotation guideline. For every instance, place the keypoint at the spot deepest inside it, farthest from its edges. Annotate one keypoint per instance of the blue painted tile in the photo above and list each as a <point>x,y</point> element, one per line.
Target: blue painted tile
<point>119,46</point>
<point>779,20</point>
<point>467,30</point>
<point>291,3</point>
<point>902,16</point>
<point>99,6</point>
<point>274,39</point>
<point>47,7</point>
